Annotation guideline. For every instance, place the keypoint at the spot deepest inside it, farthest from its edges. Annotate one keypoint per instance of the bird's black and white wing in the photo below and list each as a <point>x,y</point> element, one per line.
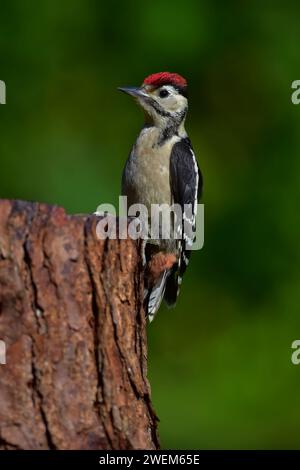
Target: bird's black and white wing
<point>186,188</point>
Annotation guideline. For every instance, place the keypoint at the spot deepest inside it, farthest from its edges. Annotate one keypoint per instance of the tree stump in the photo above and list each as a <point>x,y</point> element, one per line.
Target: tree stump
<point>72,318</point>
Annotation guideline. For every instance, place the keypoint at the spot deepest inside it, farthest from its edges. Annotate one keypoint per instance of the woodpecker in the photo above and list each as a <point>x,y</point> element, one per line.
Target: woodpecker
<point>162,169</point>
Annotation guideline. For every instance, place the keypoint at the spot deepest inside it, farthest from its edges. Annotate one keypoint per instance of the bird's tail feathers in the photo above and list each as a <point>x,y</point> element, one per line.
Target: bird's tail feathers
<point>172,287</point>
<point>156,294</point>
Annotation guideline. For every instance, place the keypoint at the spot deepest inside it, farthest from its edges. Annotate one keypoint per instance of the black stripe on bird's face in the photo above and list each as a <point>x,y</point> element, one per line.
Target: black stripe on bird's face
<point>172,126</point>
<point>157,107</point>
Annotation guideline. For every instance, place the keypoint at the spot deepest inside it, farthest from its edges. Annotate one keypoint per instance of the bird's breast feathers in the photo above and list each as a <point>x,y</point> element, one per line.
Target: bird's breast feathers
<point>146,175</point>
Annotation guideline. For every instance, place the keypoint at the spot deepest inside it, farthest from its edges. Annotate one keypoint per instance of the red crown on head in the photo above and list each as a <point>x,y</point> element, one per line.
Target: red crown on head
<point>166,78</point>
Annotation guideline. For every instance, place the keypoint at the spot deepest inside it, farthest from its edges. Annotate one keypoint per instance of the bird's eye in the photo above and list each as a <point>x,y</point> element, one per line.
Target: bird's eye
<point>163,93</point>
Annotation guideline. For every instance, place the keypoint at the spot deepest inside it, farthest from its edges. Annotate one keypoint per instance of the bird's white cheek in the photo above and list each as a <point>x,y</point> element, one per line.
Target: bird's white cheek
<point>172,105</point>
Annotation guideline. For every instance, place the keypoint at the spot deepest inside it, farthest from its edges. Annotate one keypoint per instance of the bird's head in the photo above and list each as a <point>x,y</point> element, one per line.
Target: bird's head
<point>163,98</point>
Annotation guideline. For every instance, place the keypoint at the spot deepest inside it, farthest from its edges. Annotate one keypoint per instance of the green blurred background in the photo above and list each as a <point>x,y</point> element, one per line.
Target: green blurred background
<point>220,363</point>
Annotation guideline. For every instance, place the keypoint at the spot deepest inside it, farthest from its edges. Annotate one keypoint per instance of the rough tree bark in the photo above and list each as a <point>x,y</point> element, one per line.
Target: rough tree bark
<point>72,318</point>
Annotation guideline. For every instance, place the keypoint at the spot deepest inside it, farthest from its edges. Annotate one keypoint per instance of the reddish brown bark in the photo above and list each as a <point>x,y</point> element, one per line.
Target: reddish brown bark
<point>72,318</point>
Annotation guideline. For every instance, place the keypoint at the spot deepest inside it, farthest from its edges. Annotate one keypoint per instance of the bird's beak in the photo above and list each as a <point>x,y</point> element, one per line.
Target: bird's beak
<point>136,92</point>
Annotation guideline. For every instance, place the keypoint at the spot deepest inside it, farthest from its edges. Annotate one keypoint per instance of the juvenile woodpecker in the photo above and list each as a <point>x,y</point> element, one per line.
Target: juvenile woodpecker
<point>162,169</point>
